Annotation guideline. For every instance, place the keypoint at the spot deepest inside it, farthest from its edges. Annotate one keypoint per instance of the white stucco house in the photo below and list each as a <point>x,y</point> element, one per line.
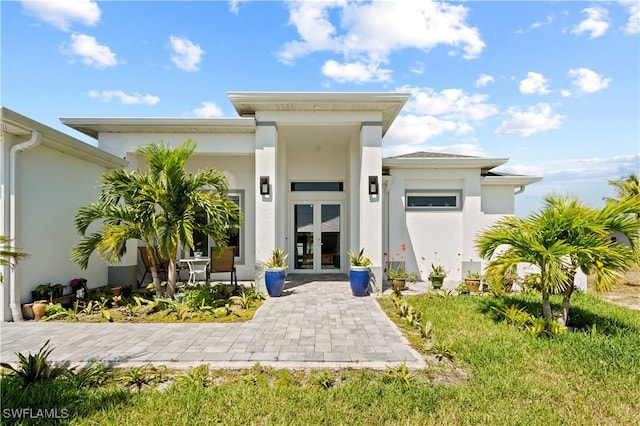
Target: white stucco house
<point>308,172</point>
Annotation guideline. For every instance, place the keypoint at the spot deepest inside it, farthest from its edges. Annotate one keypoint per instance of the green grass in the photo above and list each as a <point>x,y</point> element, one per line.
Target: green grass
<point>512,378</point>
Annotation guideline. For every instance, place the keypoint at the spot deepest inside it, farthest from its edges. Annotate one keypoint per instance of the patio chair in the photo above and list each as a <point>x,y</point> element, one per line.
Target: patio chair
<point>223,262</point>
<point>161,268</point>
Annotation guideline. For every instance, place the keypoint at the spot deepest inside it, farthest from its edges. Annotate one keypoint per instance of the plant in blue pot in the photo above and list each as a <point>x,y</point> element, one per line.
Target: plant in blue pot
<point>359,273</point>
<point>275,271</point>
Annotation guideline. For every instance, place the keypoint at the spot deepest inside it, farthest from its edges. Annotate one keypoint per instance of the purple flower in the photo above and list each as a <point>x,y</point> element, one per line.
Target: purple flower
<point>77,283</point>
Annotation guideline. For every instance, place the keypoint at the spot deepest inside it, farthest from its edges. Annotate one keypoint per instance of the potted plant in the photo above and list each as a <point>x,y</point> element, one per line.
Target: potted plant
<point>42,292</point>
<point>359,273</point>
<point>79,287</point>
<point>437,275</point>
<point>57,290</point>
<point>472,281</point>
<point>399,278</point>
<point>274,272</point>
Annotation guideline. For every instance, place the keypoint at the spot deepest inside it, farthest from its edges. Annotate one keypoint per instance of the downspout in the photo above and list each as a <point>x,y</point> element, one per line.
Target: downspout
<point>520,190</point>
<point>36,138</point>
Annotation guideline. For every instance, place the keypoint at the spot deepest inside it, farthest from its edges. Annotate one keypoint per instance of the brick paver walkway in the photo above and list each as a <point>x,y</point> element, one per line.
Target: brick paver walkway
<point>314,324</point>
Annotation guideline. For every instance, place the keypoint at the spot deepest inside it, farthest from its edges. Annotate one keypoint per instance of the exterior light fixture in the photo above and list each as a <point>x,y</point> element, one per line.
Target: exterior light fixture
<point>373,185</point>
<point>264,185</point>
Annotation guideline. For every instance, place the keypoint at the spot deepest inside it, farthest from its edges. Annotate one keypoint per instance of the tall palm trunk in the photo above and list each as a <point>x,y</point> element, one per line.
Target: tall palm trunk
<point>171,278</point>
<point>155,278</point>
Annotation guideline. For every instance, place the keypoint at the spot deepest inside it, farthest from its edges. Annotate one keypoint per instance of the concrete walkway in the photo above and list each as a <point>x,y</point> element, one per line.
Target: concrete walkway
<point>316,323</point>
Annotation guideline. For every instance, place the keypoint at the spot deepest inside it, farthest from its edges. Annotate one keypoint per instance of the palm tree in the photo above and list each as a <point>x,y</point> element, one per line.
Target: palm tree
<point>186,203</point>
<point>563,236</point>
<point>628,187</point>
<point>161,207</point>
<point>124,214</point>
<point>9,255</point>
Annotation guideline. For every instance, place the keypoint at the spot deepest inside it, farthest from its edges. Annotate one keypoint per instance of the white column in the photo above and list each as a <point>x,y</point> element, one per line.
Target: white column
<point>370,211</point>
<point>266,206</point>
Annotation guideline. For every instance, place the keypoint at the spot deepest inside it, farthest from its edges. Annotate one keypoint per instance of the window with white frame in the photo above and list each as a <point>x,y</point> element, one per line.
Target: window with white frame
<point>433,200</point>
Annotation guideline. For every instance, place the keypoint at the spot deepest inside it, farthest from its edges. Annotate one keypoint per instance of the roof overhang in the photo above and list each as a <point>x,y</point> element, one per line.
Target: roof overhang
<point>389,104</point>
<point>94,126</point>
<point>511,180</point>
<point>444,163</point>
<point>19,125</point>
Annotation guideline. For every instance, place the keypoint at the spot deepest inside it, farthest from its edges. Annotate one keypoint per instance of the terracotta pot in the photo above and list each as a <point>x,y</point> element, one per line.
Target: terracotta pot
<point>116,291</point>
<point>39,310</point>
<point>398,284</point>
<point>473,285</point>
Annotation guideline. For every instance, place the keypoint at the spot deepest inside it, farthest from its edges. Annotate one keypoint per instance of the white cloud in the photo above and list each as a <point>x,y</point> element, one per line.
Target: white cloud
<point>534,83</point>
<point>588,81</point>
<point>62,13</point>
<point>535,119</point>
<point>186,55</point>
<point>418,68</point>
<point>580,168</point>
<point>125,99</point>
<point>537,24</point>
<point>356,72</point>
<point>596,23</point>
<point>369,32</point>
<point>208,109</point>
<point>90,51</point>
<point>633,23</point>
<point>484,79</point>
<point>233,6</point>
<point>451,104</point>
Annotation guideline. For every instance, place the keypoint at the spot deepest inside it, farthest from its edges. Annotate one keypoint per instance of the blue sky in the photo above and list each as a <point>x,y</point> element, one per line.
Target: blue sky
<point>554,86</point>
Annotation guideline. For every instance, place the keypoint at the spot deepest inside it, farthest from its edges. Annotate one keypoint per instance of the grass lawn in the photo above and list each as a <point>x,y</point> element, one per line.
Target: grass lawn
<point>511,378</point>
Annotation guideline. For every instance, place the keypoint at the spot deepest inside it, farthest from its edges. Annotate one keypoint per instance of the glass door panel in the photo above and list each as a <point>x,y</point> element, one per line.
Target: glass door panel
<point>304,230</point>
<point>330,236</point>
<point>318,243</point>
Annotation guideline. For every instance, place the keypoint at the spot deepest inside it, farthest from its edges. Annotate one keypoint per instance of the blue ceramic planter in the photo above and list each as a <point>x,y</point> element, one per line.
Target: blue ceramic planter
<point>359,281</point>
<point>274,280</point>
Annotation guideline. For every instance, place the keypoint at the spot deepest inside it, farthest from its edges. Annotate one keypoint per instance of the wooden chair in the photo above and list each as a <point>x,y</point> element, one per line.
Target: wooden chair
<point>145,255</point>
<point>224,262</point>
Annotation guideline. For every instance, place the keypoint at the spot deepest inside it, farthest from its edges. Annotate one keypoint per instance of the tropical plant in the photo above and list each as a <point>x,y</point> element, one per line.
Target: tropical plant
<point>474,275</point>
<point>564,236</point>
<point>359,259</point>
<point>162,207</point>
<point>278,260</point>
<point>9,255</point>
<point>437,271</point>
<point>34,368</point>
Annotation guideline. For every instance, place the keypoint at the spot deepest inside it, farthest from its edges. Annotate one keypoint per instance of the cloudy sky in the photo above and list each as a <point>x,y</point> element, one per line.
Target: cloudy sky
<point>553,86</point>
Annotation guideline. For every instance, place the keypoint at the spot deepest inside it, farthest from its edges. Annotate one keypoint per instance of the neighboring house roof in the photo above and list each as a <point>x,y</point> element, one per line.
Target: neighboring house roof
<point>424,154</point>
<point>19,125</point>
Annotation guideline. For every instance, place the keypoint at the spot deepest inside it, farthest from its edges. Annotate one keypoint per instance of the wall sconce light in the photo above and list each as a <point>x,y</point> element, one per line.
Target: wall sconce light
<point>373,185</point>
<point>264,185</point>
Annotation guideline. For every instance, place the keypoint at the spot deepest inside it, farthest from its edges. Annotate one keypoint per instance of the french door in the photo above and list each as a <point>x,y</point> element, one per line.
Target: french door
<point>317,236</point>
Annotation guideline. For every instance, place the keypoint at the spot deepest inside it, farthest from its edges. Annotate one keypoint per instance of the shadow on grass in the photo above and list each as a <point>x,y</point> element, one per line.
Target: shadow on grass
<point>584,313</point>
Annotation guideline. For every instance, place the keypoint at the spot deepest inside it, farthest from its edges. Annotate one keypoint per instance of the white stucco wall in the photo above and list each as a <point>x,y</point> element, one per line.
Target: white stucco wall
<point>442,236</point>
<point>239,171</point>
<point>51,186</point>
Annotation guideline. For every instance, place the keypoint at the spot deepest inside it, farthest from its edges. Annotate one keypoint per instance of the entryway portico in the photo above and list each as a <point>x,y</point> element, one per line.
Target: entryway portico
<point>318,166</point>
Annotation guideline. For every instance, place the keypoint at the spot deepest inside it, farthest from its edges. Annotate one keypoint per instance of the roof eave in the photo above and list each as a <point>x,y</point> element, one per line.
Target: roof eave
<point>510,180</point>
<point>62,142</point>
<point>442,163</point>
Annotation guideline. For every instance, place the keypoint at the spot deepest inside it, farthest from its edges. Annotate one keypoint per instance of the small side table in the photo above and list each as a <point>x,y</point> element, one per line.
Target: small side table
<point>197,265</point>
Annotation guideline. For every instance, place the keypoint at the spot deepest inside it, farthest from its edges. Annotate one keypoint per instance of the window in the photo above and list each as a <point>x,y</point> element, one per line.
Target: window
<point>317,186</point>
<point>433,200</point>
<point>203,243</point>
